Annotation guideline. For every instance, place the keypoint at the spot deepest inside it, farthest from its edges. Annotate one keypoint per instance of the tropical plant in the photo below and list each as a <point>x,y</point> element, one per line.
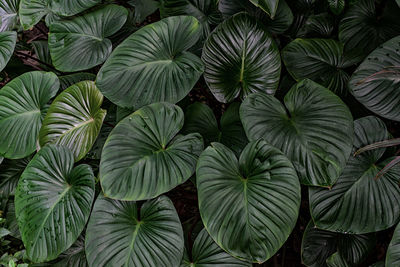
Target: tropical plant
<point>203,133</point>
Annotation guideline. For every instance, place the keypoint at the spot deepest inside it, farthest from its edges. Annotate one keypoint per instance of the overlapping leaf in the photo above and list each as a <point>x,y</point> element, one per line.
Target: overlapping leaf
<point>81,43</point>
<point>10,173</point>
<point>74,119</point>
<point>153,64</point>
<point>144,157</point>
<point>359,203</point>
<point>376,82</point>
<point>52,202</point>
<point>8,15</point>
<point>268,6</point>
<point>249,206</point>
<point>7,45</point>
<point>23,103</point>
<point>70,7</point>
<point>121,234</point>
<point>314,129</point>
<point>240,58</point>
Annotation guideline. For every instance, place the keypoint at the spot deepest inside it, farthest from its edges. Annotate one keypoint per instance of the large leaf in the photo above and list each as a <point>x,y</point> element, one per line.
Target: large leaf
<point>205,11</point>
<point>314,128</point>
<point>393,251</point>
<point>317,245</point>
<point>248,205</point>
<point>206,253</point>
<point>268,6</point>
<point>52,202</point>
<point>74,119</point>
<point>376,82</point>
<point>144,157</point>
<point>199,118</point>
<point>281,22</point>
<point>365,26</point>
<point>121,233</point>
<point>74,256</point>
<point>7,45</point>
<point>153,64</point>
<point>10,172</point>
<point>81,43</point>
<point>321,60</point>
<point>8,15</point>
<point>32,11</point>
<point>23,103</point>
<point>359,203</point>
<point>240,57</point>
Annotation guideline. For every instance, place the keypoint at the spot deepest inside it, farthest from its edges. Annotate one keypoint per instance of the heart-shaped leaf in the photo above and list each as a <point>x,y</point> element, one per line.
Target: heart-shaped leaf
<point>268,6</point>
<point>355,204</point>
<point>376,82</point>
<point>7,45</point>
<point>248,205</point>
<point>321,60</point>
<point>144,157</point>
<point>317,245</point>
<point>10,173</point>
<point>206,253</point>
<point>199,118</point>
<point>364,26</point>
<point>8,15</point>
<point>314,128</point>
<point>153,64</point>
<point>74,119</point>
<point>205,11</point>
<point>240,57</point>
<point>81,43</point>
<point>121,233</point>
<point>393,251</point>
<point>52,202</point>
<point>23,103</point>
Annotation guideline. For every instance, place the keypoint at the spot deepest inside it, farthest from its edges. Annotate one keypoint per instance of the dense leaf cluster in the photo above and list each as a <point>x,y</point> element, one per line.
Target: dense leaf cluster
<point>257,108</point>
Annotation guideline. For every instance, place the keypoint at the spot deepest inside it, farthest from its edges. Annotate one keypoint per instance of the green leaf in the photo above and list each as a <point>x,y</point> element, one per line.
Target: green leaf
<point>11,220</point>
<point>81,43</point>
<point>248,205</point>
<point>393,251</point>
<point>71,79</point>
<point>336,260</point>
<point>268,6</point>
<point>314,128</point>
<point>7,45</point>
<point>199,118</point>
<point>320,25</point>
<point>1,159</point>
<point>355,203</point>
<point>376,83</point>
<point>321,60</point>
<point>74,256</point>
<point>206,253</point>
<point>317,245</point>
<point>11,170</point>
<point>42,52</point>
<point>336,6</point>
<point>74,119</point>
<point>32,11</point>
<point>120,233</point>
<point>240,58</point>
<point>364,26</point>
<point>23,103</point>
<point>153,64</point>
<point>385,143</point>
<point>143,8</point>
<point>52,202</point>
<point>281,22</point>
<point>144,157</point>
<point>4,232</point>
<point>71,7</point>
<point>8,15</point>
<point>205,11</point>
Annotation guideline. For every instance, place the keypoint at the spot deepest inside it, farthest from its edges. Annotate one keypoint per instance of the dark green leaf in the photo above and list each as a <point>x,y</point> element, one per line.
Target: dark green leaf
<point>320,25</point>
<point>144,157</point>
<point>336,6</point>
<point>314,128</point>
<point>10,172</point>
<point>71,79</point>
<point>376,82</point>
<point>74,256</point>
<point>81,43</point>
<point>143,8</point>
<point>240,58</point>
<point>7,45</point>
<point>355,204</point>
<point>121,234</point>
<point>385,143</point>
<point>52,202</point>
<point>23,103</point>
<point>8,15</point>
<point>336,260</point>
<point>393,251</point>
<point>11,220</point>
<point>70,7</point>
<point>42,52</point>
<point>268,6</point>
<point>249,206</point>
<point>153,64</point>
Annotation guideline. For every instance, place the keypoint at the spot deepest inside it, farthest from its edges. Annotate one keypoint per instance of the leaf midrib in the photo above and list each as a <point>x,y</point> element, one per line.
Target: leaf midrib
<point>22,114</point>
<point>134,236</point>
